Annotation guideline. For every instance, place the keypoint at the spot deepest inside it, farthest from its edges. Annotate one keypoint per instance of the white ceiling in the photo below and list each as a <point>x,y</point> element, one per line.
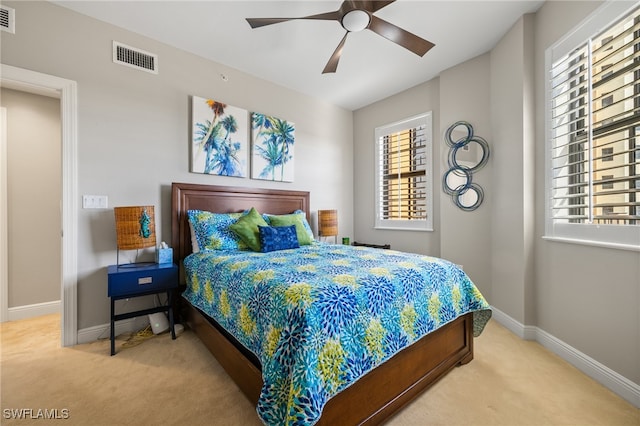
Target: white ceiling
<point>293,54</point>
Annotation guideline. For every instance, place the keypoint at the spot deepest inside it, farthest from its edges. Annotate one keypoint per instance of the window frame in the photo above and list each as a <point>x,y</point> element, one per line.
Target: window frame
<point>607,185</point>
<point>426,224</point>
<point>606,154</point>
<point>626,237</point>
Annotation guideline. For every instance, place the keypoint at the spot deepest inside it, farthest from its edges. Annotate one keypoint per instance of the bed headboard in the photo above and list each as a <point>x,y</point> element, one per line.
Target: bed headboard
<point>225,199</point>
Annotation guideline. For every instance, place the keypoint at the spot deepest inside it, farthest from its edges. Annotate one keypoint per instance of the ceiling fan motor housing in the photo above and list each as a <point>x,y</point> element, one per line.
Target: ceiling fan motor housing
<point>356,20</point>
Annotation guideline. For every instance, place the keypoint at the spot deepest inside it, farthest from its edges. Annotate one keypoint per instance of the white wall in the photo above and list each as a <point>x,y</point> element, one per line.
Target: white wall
<point>134,131</point>
<point>33,197</point>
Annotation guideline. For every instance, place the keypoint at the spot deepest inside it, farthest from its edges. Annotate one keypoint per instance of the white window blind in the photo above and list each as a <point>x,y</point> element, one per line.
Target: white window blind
<point>594,126</point>
<point>403,178</point>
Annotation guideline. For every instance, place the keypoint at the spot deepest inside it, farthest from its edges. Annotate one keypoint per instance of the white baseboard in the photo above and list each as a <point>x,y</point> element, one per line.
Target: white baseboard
<point>617,383</point>
<point>91,334</point>
<point>525,332</point>
<point>35,310</point>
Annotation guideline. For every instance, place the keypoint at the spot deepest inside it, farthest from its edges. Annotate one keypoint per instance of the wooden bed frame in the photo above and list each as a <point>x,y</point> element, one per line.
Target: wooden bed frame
<point>374,397</point>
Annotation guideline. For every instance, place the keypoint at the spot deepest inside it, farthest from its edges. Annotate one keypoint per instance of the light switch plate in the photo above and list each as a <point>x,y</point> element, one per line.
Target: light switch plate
<point>95,202</point>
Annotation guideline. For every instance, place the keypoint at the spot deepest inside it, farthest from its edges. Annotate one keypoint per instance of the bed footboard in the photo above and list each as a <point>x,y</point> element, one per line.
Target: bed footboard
<point>390,386</point>
<point>374,397</point>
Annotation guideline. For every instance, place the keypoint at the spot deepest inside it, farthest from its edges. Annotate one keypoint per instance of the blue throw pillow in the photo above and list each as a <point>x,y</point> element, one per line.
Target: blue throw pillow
<point>277,238</point>
<point>297,218</point>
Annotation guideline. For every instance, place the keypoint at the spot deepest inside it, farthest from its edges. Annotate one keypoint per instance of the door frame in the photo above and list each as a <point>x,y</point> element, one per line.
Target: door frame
<point>35,82</point>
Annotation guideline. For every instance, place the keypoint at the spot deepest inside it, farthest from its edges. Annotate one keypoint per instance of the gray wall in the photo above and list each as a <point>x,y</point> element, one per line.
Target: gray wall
<point>422,98</point>
<point>512,225</point>
<point>588,297</point>
<point>466,236</point>
<point>134,131</point>
<point>33,197</point>
<point>457,235</point>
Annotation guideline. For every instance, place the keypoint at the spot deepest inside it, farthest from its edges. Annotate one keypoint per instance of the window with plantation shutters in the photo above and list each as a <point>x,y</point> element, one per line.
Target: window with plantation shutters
<point>404,174</point>
<point>593,154</point>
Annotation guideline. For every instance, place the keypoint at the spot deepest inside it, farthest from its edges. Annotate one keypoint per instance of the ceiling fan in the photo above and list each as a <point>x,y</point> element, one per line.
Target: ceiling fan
<point>357,16</point>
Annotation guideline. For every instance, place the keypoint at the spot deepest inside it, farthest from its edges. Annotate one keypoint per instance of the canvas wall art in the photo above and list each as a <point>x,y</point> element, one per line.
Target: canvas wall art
<point>219,138</point>
<point>272,143</point>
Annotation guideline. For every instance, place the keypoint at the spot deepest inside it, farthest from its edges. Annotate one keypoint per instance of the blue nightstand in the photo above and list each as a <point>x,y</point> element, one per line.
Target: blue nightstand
<point>134,280</point>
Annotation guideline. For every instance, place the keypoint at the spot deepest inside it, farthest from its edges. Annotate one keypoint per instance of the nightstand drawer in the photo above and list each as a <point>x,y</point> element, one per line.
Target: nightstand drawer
<point>127,280</point>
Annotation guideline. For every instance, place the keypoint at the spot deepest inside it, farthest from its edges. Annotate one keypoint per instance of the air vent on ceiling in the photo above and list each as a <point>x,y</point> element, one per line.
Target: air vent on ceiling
<point>7,19</point>
<point>135,58</point>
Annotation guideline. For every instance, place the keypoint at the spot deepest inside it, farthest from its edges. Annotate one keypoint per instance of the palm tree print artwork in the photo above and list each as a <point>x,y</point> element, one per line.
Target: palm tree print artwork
<point>219,142</point>
<point>272,148</point>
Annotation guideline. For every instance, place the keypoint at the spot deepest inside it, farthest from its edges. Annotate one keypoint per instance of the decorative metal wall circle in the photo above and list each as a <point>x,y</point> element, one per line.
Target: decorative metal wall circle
<point>464,171</point>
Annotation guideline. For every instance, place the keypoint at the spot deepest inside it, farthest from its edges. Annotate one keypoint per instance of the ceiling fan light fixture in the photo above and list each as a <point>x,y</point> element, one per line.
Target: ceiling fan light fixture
<point>356,20</point>
<point>356,16</point>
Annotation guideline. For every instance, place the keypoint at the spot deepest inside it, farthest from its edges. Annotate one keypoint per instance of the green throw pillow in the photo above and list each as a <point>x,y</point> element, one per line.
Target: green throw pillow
<point>246,228</point>
<point>293,219</point>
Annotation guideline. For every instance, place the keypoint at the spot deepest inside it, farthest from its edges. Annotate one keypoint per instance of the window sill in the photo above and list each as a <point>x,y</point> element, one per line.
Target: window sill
<point>593,243</point>
<point>391,228</point>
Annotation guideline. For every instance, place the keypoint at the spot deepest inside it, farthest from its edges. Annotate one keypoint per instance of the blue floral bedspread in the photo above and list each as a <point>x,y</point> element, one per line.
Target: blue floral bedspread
<point>321,316</point>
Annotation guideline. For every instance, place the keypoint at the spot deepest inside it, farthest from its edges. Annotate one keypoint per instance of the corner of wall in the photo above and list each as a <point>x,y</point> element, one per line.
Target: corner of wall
<point>464,234</point>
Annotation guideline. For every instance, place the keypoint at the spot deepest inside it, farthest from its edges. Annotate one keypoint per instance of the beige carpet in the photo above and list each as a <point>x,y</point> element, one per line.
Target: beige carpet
<point>165,382</point>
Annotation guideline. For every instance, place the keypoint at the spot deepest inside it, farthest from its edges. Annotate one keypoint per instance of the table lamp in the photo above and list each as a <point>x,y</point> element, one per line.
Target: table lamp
<point>135,228</point>
<point>328,224</point>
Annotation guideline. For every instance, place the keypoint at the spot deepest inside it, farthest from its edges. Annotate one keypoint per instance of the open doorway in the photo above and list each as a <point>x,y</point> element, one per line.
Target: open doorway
<point>32,134</point>
<point>34,82</point>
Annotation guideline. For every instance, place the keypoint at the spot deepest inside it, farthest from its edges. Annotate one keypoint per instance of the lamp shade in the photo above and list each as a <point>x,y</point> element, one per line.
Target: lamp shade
<point>135,227</point>
<point>327,223</point>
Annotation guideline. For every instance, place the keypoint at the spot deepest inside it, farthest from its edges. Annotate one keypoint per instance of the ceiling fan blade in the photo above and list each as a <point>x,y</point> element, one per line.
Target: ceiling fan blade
<point>332,65</point>
<point>404,38</point>
<point>370,6</point>
<point>261,22</point>
<point>377,5</point>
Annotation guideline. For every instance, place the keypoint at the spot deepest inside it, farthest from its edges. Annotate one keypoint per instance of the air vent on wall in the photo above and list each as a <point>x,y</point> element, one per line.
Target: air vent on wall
<point>7,19</point>
<point>134,58</point>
